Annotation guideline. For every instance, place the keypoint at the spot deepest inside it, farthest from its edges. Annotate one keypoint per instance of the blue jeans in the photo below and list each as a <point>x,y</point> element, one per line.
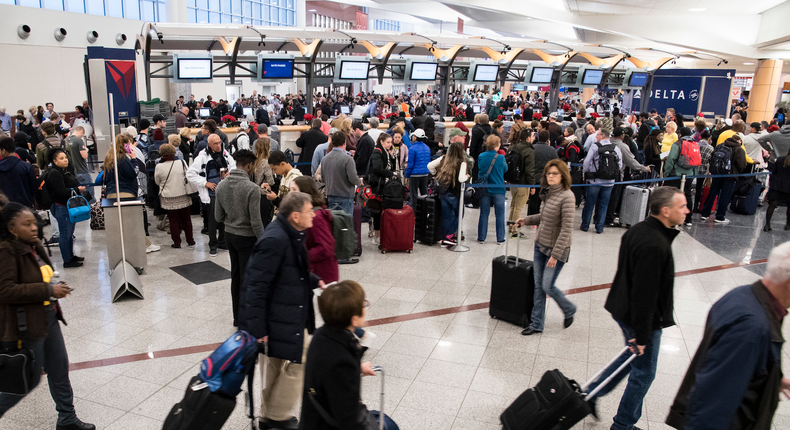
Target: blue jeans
<point>723,188</point>
<point>642,372</point>
<point>598,199</point>
<point>544,284</point>
<point>66,229</point>
<point>85,178</point>
<point>51,356</point>
<point>499,214</point>
<point>345,203</point>
<point>449,213</point>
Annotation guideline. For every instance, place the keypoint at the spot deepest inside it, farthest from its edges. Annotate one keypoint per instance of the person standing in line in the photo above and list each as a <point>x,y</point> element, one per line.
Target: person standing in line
<point>494,167</point>
<point>318,239</point>
<point>79,156</point>
<point>600,190</point>
<point>735,378</point>
<point>308,141</point>
<point>553,242</point>
<point>63,185</point>
<point>672,167</point>
<point>340,175</point>
<point>170,176</point>
<point>779,190</point>
<point>263,177</point>
<point>238,208</point>
<point>278,307</point>
<point>641,300</point>
<point>522,148</point>
<point>280,166</point>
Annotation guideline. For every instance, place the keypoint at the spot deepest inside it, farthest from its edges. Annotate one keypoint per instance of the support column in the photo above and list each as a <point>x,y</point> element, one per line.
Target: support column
<point>176,10</point>
<point>587,94</point>
<point>765,90</point>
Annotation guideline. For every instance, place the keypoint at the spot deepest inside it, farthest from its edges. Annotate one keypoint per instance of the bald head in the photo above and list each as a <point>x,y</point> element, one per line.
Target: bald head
<point>185,110</point>
<point>214,142</point>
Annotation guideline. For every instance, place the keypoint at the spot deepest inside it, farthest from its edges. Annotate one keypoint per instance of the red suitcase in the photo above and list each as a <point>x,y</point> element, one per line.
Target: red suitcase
<point>705,191</point>
<point>397,230</point>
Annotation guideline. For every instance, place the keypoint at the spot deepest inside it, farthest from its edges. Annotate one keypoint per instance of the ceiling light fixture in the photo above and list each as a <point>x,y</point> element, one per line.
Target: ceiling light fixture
<point>311,10</point>
<point>698,9</point>
<point>748,64</point>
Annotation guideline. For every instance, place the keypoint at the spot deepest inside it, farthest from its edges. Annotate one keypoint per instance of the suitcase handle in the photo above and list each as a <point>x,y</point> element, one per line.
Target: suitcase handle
<point>610,378</point>
<point>380,370</point>
<point>507,241</point>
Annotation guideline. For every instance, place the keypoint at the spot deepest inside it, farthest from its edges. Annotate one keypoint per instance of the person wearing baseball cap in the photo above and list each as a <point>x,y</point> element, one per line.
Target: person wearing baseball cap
<point>417,166</point>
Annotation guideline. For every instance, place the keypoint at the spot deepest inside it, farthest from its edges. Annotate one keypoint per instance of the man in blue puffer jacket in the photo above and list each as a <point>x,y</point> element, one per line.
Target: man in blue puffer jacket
<point>417,166</point>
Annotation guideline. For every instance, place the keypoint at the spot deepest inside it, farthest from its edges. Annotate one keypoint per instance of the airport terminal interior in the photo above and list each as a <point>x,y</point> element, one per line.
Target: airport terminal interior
<point>568,78</point>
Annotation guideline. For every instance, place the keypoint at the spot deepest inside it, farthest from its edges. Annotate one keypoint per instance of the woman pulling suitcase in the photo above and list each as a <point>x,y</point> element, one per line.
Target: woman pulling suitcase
<point>553,242</point>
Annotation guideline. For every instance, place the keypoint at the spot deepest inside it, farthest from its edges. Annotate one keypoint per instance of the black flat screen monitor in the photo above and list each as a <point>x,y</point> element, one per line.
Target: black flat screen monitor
<point>423,71</point>
<point>486,73</point>
<point>345,110</point>
<point>592,77</point>
<point>638,79</point>
<point>354,70</point>
<point>278,69</point>
<point>194,68</point>
<point>541,75</point>
<point>205,112</point>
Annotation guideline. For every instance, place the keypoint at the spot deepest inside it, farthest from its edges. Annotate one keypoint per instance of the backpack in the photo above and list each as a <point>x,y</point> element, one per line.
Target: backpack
<point>225,369</point>
<point>689,157</point>
<point>514,162</point>
<point>233,146</point>
<point>607,166</point>
<point>44,198</point>
<point>343,232</point>
<point>721,160</point>
<point>392,195</point>
<point>289,156</point>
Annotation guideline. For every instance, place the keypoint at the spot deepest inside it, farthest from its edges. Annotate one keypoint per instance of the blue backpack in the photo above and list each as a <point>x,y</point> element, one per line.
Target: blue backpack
<point>225,369</point>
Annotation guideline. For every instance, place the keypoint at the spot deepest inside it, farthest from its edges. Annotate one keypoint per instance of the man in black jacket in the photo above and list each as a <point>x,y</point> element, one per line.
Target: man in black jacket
<point>308,141</point>
<point>644,130</point>
<point>641,299</point>
<point>365,147</point>
<point>477,143</point>
<point>278,309</point>
<point>735,378</point>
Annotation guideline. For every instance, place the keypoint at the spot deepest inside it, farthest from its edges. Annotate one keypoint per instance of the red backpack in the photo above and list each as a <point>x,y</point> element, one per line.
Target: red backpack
<point>689,157</point>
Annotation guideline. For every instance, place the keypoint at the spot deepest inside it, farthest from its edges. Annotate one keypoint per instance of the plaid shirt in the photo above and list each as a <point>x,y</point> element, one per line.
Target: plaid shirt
<point>705,151</point>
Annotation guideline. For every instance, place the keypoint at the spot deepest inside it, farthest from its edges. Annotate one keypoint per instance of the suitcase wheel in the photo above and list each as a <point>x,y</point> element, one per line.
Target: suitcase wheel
<point>383,251</point>
<point>410,251</point>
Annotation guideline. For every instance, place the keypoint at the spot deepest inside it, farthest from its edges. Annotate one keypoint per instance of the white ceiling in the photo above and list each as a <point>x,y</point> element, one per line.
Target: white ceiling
<point>670,7</point>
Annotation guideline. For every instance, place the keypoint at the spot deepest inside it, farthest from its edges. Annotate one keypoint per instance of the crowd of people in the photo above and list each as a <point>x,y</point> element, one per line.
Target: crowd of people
<point>276,219</point>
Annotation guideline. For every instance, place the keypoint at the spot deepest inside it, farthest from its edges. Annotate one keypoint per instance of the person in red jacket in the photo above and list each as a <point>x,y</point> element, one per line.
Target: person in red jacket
<point>319,240</point>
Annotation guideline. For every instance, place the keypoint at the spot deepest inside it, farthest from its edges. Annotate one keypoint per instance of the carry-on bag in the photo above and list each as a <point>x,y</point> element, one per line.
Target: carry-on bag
<point>634,205</point>
<point>512,287</point>
<point>200,409</point>
<point>428,219</point>
<point>17,363</point>
<point>746,204</point>
<point>78,208</point>
<point>372,419</point>
<point>556,402</point>
<point>397,230</point>
<point>358,229</point>
<point>705,192</point>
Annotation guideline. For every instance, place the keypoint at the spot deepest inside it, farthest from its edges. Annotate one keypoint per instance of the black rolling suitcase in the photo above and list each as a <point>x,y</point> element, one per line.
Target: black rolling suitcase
<point>512,287</point>
<point>428,220</point>
<point>200,409</point>
<point>556,402</point>
<point>358,228</point>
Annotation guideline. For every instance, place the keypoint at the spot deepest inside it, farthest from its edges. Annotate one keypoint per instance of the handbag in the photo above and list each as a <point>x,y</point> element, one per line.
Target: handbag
<point>78,207</point>
<point>189,186</point>
<point>97,216</point>
<point>478,193</point>
<point>17,364</point>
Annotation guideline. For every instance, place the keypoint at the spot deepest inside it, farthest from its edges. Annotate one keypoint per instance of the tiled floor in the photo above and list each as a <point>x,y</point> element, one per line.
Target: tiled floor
<point>453,371</point>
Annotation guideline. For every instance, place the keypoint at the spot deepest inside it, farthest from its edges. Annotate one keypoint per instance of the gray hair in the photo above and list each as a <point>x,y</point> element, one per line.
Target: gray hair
<point>2,109</point>
<point>662,198</point>
<point>605,132</point>
<point>294,202</point>
<point>778,268</point>
<point>263,129</point>
<point>374,123</point>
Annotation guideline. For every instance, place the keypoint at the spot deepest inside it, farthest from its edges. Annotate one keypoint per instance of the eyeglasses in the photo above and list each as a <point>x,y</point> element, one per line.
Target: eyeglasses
<point>552,173</point>
<point>366,304</point>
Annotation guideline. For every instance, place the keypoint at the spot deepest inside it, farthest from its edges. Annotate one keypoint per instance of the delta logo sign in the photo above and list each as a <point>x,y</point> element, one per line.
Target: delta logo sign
<point>123,74</point>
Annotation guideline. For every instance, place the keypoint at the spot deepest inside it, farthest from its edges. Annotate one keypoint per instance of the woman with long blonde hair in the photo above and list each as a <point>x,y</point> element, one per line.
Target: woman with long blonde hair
<point>263,177</point>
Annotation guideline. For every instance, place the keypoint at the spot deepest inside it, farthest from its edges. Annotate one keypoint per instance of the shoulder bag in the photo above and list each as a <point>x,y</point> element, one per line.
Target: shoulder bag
<point>17,363</point>
<point>189,186</point>
<point>478,193</point>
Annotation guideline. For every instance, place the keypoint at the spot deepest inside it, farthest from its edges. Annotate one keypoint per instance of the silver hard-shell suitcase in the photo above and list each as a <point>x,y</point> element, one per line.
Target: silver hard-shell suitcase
<point>634,206</point>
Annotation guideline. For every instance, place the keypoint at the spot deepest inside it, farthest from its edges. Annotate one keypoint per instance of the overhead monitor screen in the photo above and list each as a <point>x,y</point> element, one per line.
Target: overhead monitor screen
<point>423,71</point>
<point>486,73</point>
<point>541,75</point>
<point>592,77</point>
<point>638,79</point>
<point>533,88</point>
<point>278,69</point>
<point>246,111</point>
<point>344,109</point>
<point>205,112</point>
<point>194,68</point>
<point>354,70</point>
<point>476,108</point>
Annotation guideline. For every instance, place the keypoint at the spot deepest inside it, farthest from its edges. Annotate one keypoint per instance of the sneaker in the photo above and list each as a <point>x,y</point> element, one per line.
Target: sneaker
<point>77,258</point>
<point>688,224</point>
<point>152,248</point>
<point>191,245</point>
<point>72,263</point>
<point>722,221</point>
<point>174,246</point>
<point>500,243</point>
<point>53,240</point>
<point>212,252</point>
<point>482,242</point>
<point>704,218</point>
<point>448,242</point>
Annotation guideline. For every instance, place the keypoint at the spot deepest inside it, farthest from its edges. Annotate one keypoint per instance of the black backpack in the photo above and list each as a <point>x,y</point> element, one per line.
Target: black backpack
<point>514,161</point>
<point>392,196</point>
<point>608,165</point>
<point>721,160</point>
<point>44,198</point>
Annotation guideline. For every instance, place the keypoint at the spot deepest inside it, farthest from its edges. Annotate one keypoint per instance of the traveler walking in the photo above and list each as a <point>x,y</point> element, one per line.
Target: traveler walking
<point>318,239</point>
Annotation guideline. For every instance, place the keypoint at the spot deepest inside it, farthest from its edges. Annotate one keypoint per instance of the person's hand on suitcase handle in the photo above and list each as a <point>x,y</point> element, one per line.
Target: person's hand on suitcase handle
<point>636,349</point>
<point>367,369</point>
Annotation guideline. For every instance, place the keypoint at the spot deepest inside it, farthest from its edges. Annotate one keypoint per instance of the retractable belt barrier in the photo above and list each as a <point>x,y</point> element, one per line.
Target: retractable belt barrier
<point>611,184</point>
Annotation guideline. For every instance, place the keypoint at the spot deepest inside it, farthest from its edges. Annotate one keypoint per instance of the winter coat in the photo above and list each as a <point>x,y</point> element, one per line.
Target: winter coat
<point>382,167</point>
<point>62,184</point>
<point>18,180</point>
<point>477,144</point>
<point>321,247</point>
<point>555,222</point>
<point>308,141</point>
<point>197,172</point>
<point>419,157</point>
<point>278,296</point>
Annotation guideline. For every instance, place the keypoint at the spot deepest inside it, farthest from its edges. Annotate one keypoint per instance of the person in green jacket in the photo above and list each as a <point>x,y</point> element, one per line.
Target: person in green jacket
<point>495,111</point>
<point>672,168</point>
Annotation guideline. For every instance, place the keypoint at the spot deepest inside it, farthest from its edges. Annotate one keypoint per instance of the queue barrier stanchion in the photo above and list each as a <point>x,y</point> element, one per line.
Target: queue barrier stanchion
<point>459,234</point>
<point>682,182</point>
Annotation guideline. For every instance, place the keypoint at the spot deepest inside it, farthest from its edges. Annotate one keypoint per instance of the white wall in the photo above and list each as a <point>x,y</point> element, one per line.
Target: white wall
<point>40,69</point>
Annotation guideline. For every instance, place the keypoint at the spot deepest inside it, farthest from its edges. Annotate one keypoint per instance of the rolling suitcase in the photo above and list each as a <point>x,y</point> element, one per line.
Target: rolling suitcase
<point>747,204</point>
<point>556,402</point>
<point>705,191</point>
<point>428,220</point>
<point>634,205</point>
<point>397,230</point>
<point>200,409</point>
<point>512,287</point>
<point>358,228</point>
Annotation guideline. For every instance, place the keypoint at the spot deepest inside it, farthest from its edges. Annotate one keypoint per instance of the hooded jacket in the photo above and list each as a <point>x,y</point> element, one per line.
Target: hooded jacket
<point>419,157</point>
<point>779,141</point>
<point>18,180</point>
<point>739,163</point>
<point>197,172</point>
